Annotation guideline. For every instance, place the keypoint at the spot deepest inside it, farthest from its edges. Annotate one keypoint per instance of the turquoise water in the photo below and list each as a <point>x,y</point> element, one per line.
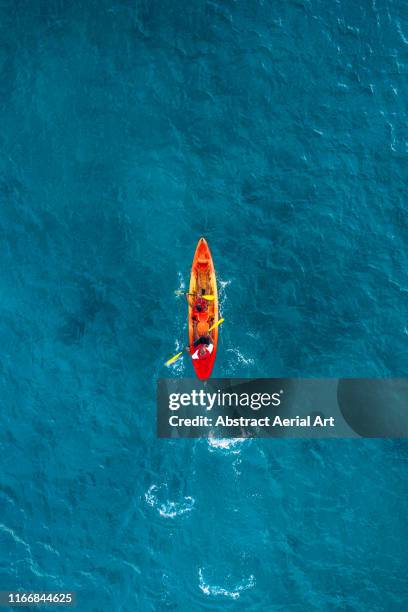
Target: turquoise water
<point>129,129</point>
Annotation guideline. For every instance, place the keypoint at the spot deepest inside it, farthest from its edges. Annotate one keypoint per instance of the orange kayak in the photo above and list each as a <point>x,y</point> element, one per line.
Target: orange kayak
<point>203,282</point>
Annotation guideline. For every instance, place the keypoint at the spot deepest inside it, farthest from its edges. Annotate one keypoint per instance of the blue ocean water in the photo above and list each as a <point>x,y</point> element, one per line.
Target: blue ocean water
<point>129,129</point>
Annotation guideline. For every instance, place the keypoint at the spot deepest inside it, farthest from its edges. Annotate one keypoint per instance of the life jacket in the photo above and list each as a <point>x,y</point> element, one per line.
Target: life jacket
<point>207,351</point>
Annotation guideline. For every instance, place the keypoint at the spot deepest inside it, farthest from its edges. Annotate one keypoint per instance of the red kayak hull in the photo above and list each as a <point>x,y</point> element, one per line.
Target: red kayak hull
<point>203,277</point>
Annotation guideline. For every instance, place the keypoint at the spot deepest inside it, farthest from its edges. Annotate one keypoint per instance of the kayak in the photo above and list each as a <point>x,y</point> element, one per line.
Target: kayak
<point>203,282</point>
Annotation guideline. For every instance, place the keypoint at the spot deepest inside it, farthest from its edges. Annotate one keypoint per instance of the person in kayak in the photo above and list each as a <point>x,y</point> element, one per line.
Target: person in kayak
<point>199,305</point>
<point>201,348</point>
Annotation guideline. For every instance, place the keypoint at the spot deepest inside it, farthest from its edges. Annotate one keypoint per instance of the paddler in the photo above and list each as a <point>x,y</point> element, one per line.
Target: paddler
<point>201,348</point>
<point>199,305</point>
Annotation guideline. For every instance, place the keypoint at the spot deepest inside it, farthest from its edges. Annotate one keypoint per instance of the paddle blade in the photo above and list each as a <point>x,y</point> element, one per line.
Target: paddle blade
<point>209,298</point>
<point>173,359</point>
<point>216,324</point>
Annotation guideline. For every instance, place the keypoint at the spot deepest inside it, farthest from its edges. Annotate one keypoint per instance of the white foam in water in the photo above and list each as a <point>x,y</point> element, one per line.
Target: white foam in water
<point>182,286</point>
<point>240,357</point>
<point>227,444</point>
<point>252,334</point>
<point>221,591</point>
<point>224,284</point>
<point>167,509</point>
<point>178,366</point>
<point>222,297</point>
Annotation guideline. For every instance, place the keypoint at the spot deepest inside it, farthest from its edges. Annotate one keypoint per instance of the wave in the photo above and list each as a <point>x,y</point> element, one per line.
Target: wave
<point>219,591</point>
<point>240,357</point>
<point>182,285</point>
<point>231,445</point>
<point>167,508</point>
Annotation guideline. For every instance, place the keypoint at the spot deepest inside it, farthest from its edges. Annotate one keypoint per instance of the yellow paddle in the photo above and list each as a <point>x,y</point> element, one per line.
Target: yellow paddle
<point>209,298</point>
<point>173,359</point>
<point>216,324</point>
